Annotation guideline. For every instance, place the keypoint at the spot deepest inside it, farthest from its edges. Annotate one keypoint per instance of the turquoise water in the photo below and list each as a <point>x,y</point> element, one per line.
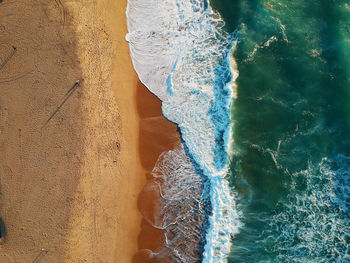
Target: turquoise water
<point>291,163</point>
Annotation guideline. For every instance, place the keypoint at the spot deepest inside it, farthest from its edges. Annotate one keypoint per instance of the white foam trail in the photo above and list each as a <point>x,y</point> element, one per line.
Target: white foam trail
<point>182,55</point>
<point>314,225</point>
<point>180,208</point>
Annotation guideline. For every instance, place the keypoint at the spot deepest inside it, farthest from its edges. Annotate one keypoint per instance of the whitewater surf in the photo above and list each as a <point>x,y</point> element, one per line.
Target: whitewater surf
<point>182,55</point>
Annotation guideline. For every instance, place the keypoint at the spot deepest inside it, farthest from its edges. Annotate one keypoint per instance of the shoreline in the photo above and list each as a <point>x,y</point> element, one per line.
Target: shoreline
<point>147,134</point>
<point>156,135</point>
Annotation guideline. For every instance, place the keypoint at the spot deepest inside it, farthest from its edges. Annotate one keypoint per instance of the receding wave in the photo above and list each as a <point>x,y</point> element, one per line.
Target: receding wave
<point>182,55</point>
<point>181,208</point>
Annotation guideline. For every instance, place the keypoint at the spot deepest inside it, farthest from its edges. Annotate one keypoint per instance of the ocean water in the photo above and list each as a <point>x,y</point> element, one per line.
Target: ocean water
<point>291,166</point>
<point>260,91</point>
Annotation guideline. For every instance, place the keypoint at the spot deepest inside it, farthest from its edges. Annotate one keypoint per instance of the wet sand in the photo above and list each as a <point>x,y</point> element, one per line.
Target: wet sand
<point>154,132</point>
<point>156,135</point>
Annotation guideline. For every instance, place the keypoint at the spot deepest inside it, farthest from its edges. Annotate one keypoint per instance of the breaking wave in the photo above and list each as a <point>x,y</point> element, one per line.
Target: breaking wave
<point>182,55</point>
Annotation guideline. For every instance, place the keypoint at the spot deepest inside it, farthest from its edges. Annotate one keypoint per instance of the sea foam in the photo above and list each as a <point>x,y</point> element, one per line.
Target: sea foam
<point>314,225</point>
<point>181,210</point>
<point>182,55</point>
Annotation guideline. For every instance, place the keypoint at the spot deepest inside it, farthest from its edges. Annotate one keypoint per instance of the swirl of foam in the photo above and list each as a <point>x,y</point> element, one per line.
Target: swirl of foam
<point>182,55</point>
<point>181,207</point>
<point>314,225</point>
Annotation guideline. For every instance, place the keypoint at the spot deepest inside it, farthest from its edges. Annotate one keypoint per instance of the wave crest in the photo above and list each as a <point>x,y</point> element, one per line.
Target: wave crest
<point>182,55</point>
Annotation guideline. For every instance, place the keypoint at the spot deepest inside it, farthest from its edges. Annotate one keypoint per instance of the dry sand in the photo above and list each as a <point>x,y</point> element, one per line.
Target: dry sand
<point>69,188</point>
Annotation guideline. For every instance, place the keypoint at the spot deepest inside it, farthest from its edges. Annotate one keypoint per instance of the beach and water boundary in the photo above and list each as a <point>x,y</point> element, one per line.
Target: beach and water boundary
<point>184,57</point>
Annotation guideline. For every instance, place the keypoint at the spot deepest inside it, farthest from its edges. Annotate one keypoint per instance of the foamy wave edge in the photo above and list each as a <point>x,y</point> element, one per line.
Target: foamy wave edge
<point>182,55</point>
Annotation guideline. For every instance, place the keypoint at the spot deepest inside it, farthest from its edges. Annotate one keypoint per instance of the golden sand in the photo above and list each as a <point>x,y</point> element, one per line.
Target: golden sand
<point>69,188</point>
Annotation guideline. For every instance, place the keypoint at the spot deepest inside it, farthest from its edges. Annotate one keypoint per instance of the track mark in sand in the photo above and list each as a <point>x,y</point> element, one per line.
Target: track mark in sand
<point>40,256</point>
<point>68,94</point>
<point>10,79</point>
<point>3,64</point>
<point>4,114</point>
<point>20,147</point>
<point>61,7</point>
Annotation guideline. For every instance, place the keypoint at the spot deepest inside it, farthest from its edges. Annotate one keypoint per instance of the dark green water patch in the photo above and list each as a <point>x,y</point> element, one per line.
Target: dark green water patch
<point>291,129</point>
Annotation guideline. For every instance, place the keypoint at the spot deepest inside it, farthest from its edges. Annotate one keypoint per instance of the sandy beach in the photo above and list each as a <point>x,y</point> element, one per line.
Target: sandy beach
<point>70,164</point>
